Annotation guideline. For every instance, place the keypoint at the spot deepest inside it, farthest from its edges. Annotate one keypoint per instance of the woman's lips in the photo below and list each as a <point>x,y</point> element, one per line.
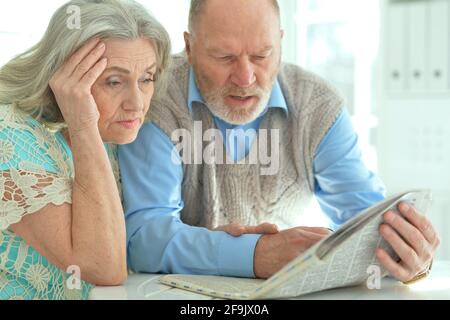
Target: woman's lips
<point>129,124</point>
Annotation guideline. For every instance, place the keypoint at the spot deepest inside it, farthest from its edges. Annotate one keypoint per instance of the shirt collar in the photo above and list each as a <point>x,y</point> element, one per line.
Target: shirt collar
<point>276,100</point>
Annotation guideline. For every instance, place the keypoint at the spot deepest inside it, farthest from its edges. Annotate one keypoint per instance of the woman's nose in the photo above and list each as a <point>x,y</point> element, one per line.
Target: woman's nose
<point>134,101</point>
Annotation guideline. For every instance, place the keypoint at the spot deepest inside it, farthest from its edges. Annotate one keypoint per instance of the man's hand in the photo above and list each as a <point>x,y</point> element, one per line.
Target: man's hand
<point>274,251</point>
<point>412,237</point>
<point>237,230</point>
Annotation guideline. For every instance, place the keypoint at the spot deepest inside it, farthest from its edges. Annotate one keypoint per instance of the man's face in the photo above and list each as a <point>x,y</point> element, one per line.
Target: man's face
<point>235,53</point>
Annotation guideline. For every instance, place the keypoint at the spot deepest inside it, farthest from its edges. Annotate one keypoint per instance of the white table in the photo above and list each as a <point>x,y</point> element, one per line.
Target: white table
<point>146,287</point>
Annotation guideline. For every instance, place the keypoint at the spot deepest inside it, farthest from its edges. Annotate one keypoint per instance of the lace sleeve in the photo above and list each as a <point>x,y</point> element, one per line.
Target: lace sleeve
<point>35,167</point>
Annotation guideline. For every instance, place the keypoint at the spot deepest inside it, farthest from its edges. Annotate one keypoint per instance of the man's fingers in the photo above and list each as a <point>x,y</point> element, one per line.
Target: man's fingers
<point>407,231</point>
<point>420,222</point>
<point>265,228</point>
<point>237,230</point>
<point>311,235</point>
<point>393,267</point>
<point>233,229</point>
<point>407,254</point>
<point>319,230</point>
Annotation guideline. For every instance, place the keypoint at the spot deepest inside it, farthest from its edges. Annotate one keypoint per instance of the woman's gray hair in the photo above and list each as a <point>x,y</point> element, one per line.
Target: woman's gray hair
<point>197,6</point>
<point>24,81</point>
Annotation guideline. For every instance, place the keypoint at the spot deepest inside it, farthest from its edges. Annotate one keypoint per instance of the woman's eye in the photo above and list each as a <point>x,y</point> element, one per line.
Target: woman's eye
<point>149,80</point>
<point>114,84</point>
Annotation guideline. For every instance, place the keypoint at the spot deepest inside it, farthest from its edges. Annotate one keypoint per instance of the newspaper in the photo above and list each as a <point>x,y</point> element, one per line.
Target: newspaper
<point>339,260</point>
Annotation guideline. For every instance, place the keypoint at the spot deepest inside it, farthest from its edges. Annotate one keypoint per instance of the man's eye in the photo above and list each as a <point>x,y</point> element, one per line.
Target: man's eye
<point>226,58</point>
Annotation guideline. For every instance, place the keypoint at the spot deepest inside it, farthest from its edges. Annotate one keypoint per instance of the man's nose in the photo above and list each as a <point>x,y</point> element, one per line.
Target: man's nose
<point>243,74</point>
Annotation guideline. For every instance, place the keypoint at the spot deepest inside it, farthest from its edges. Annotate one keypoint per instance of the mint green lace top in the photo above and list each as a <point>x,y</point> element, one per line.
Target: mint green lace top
<point>36,169</point>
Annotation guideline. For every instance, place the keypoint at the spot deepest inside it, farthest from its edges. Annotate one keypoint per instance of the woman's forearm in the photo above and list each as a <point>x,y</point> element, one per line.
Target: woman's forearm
<point>98,227</point>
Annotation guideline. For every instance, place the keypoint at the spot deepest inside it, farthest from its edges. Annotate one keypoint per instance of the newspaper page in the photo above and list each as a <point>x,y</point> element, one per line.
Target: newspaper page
<point>346,264</point>
<point>349,264</point>
<point>219,287</point>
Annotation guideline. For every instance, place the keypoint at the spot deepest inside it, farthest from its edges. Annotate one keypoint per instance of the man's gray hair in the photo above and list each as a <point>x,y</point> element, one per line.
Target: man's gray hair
<point>197,6</point>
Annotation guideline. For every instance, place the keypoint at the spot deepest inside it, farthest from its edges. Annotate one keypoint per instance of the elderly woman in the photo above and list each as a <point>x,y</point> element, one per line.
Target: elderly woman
<point>63,103</point>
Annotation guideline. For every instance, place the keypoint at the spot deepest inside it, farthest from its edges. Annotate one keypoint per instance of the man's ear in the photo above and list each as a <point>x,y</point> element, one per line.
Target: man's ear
<point>282,34</point>
<point>187,45</point>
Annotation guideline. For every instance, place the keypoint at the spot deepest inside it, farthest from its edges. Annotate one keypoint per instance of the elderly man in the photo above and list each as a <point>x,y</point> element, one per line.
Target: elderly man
<point>178,202</point>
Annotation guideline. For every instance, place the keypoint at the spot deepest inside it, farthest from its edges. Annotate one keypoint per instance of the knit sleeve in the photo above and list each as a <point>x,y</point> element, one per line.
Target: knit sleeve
<point>35,168</point>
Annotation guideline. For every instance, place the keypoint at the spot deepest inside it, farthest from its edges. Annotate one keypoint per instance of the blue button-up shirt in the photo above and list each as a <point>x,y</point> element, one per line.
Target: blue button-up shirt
<point>159,242</point>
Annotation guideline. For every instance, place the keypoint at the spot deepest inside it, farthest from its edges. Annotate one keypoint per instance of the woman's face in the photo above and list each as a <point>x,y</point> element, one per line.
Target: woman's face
<point>124,91</point>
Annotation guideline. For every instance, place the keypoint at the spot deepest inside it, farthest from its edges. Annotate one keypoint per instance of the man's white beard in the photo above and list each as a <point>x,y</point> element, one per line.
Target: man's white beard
<point>233,115</point>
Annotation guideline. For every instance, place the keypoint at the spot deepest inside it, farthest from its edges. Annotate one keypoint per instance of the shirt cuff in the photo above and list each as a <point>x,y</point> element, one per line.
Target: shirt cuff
<point>236,255</point>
